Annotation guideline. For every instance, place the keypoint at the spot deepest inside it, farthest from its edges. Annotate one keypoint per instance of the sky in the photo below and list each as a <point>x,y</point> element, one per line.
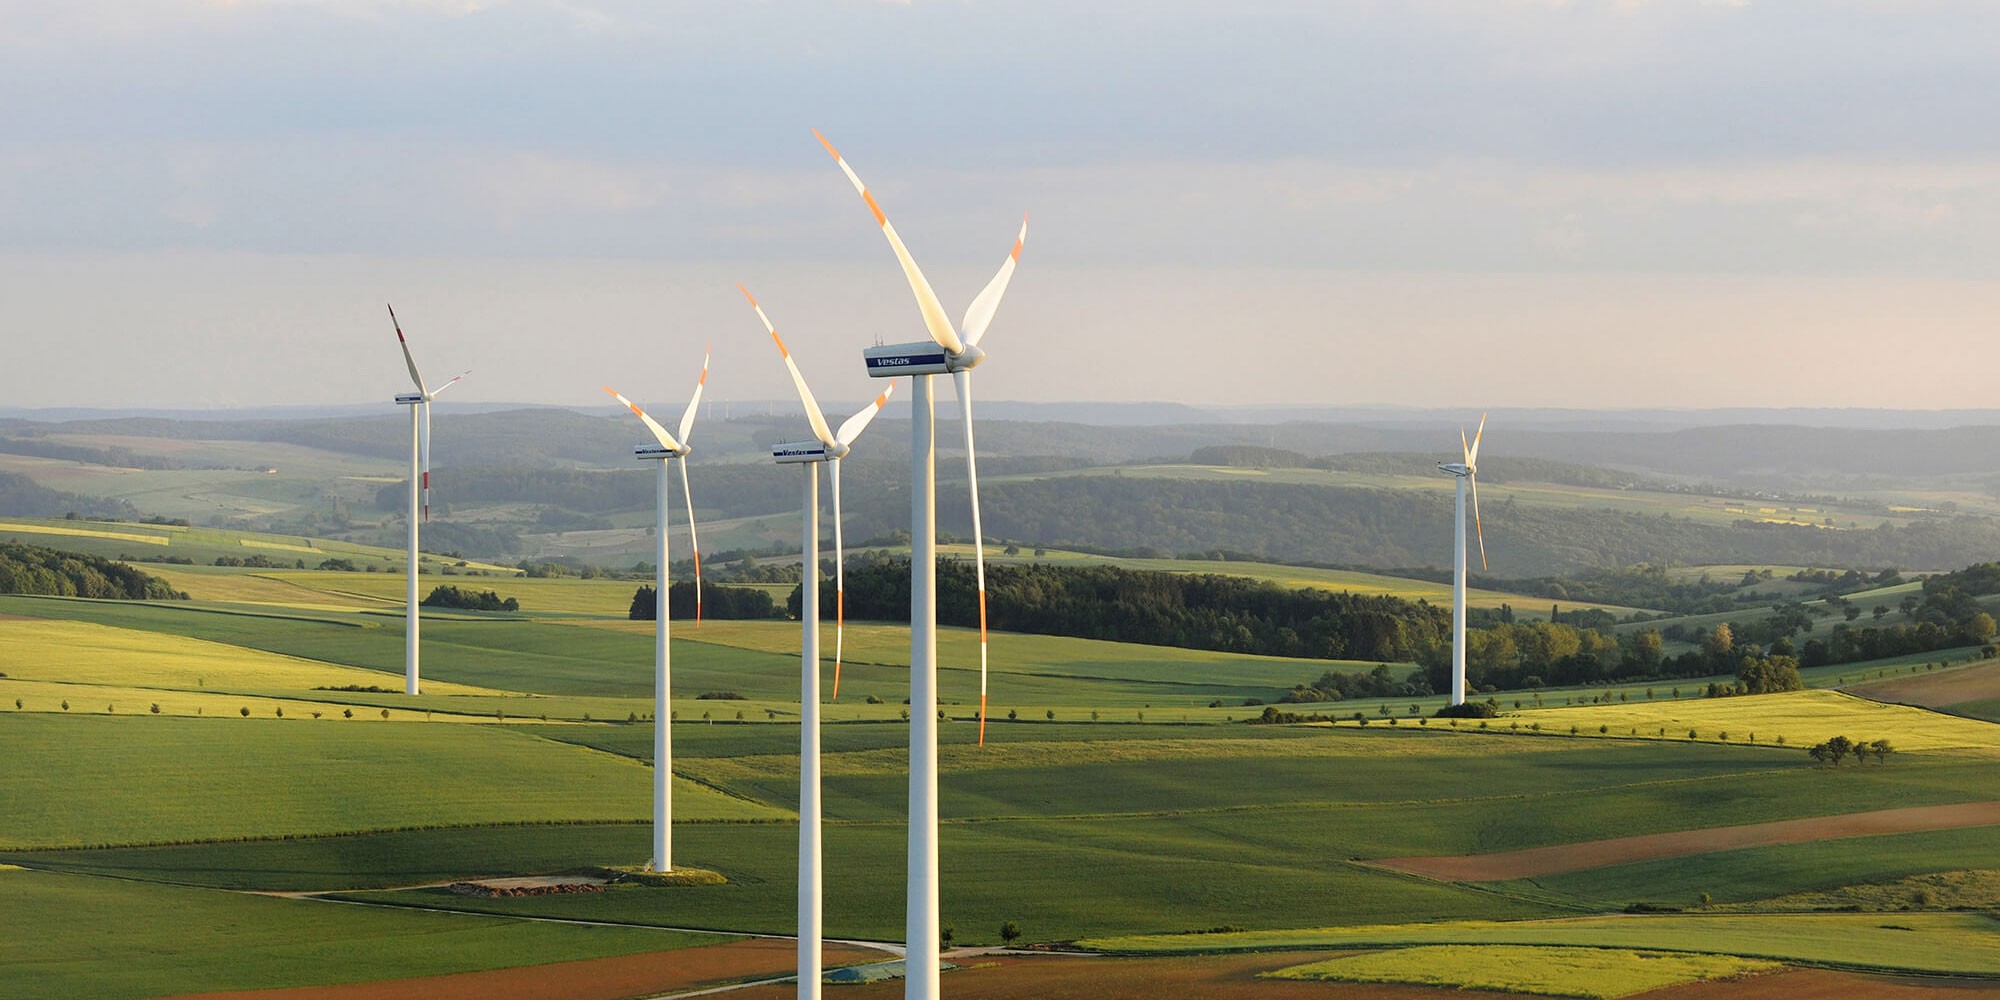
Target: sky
<point>1425,203</point>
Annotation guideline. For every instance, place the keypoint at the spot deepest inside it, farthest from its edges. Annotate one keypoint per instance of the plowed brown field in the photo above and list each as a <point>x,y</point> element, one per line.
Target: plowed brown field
<point>1210,977</point>
<point>1651,847</point>
<point>1234,977</point>
<point>1934,690</point>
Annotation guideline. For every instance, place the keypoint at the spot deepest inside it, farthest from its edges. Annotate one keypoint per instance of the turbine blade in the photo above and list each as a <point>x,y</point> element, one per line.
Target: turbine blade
<point>694,542</point>
<point>814,415</point>
<point>839,579</point>
<point>979,314</point>
<point>927,300</point>
<point>963,381</point>
<point>408,359</point>
<point>1472,453</point>
<point>687,416</point>
<point>666,440</point>
<point>453,382</point>
<point>1478,525</point>
<point>1464,447</point>
<point>852,427</point>
<point>424,457</point>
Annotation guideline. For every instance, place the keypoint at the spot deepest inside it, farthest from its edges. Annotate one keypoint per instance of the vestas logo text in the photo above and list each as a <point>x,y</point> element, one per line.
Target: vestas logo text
<point>889,362</point>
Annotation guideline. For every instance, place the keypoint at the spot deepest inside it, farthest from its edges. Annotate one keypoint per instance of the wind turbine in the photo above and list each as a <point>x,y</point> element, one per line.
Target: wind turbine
<point>669,447</point>
<point>953,351</point>
<point>419,403</point>
<point>828,448</point>
<point>1467,473</point>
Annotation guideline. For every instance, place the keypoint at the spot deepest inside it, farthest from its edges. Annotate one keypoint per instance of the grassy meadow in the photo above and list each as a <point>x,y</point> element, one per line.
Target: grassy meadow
<point>1127,802</point>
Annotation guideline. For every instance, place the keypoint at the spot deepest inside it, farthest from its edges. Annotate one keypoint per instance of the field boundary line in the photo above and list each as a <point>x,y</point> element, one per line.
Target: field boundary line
<point>1558,859</point>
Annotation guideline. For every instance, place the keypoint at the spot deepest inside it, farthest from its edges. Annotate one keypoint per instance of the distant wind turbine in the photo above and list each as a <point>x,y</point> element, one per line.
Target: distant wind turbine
<point>827,448</point>
<point>419,403</point>
<point>953,351</point>
<point>1468,474</point>
<point>669,447</point>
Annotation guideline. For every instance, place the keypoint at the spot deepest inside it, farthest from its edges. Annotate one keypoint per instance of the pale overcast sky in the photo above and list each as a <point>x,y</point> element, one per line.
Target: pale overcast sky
<point>1435,202</point>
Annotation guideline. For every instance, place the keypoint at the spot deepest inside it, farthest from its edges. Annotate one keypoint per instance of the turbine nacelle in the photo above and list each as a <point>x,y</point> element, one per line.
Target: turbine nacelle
<point>801,452</point>
<point>654,451</point>
<point>921,357</point>
<point>412,398</point>
<point>1459,469</point>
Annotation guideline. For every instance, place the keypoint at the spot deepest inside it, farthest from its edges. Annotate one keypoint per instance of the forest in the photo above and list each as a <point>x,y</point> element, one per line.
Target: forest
<point>31,569</point>
<point>1192,611</point>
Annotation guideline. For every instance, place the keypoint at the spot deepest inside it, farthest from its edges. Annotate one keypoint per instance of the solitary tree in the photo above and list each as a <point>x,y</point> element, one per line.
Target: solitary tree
<point>1010,932</point>
<point>1882,750</point>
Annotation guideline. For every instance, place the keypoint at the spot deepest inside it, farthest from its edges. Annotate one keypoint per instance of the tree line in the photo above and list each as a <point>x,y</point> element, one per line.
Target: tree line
<point>31,569</point>
<point>1191,611</point>
<point>718,601</point>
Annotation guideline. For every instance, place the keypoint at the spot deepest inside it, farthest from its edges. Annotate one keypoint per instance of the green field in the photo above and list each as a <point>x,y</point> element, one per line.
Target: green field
<point>112,539</point>
<point>1144,809</point>
<point>78,936</point>
<point>79,781</point>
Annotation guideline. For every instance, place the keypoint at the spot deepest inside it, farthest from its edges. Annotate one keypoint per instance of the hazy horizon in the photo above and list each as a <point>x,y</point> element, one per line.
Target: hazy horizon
<point>1547,203</point>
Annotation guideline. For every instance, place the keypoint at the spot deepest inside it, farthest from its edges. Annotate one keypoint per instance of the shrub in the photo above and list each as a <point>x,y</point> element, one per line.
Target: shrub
<point>1010,932</point>
<point>719,696</point>
<point>156,708</point>
<point>873,699</point>
<point>1012,715</point>
<point>448,596</point>
<point>245,710</point>
<point>347,713</point>
<point>1470,710</point>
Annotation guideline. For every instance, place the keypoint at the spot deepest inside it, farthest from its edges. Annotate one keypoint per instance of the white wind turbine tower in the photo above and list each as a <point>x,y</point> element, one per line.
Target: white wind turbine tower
<point>828,448</point>
<point>669,447</point>
<point>1468,474</point>
<point>419,403</point>
<point>953,351</point>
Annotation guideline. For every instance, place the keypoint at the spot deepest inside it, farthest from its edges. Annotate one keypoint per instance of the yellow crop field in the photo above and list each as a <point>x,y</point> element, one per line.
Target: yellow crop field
<point>252,588</point>
<point>82,653</point>
<point>1938,943</point>
<point>50,529</point>
<point>1803,718</point>
<point>1596,973</point>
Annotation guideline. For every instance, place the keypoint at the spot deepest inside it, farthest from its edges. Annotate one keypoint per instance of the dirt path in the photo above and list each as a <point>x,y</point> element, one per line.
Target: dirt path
<point>1651,847</point>
<point>627,976</point>
<point>1934,690</point>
